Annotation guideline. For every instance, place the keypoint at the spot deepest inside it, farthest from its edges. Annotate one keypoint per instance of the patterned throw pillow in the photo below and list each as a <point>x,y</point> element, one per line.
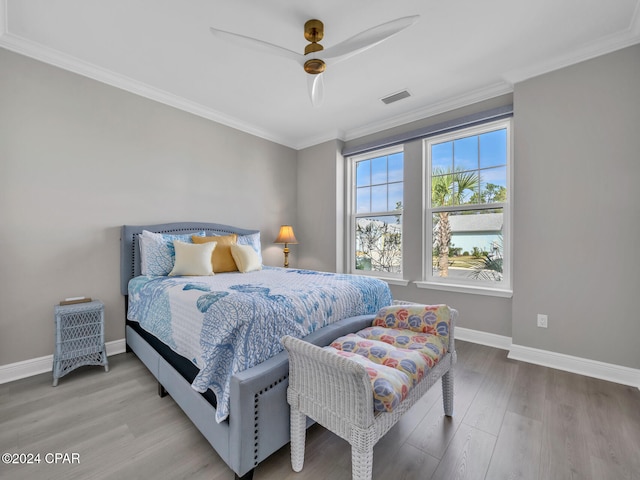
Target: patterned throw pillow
<point>157,253</point>
<point>433,347</point>
<point>431,319</point>
<point>254,241</point>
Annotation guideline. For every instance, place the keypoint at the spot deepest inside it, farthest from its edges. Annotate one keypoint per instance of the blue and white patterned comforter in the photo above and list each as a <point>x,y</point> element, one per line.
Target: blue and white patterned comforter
<point>230,322</point>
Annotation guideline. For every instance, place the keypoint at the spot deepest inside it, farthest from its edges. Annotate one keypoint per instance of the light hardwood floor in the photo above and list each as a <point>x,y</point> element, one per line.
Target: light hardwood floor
<point>512,420</point>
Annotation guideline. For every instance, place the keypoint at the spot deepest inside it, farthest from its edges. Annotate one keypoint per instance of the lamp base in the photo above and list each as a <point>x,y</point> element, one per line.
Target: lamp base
<point>286,256</point>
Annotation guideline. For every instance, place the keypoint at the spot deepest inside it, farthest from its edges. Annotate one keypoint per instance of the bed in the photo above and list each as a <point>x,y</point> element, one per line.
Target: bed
<point>239,403</point>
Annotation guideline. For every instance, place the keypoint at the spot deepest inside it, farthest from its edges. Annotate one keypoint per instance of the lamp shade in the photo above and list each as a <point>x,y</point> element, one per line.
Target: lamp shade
<point>286,235</point>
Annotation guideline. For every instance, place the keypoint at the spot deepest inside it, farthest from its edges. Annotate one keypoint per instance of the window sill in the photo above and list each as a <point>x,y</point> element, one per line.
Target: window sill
<point>475,290</point>
<point>392,280</point>
<point>395,281</point>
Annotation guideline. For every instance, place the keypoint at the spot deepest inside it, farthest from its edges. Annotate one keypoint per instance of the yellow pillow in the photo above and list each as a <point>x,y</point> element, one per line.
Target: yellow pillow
<point>246,258</point>
<point>192,259</point>
<point>221,258</point>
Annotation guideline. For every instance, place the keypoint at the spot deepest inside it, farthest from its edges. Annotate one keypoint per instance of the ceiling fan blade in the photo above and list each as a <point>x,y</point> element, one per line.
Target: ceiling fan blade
<point>254,44</point>
<point>316,88</point>
<point>367,39</point>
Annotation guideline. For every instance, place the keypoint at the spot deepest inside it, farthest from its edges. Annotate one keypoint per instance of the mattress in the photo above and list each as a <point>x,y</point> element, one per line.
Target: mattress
<point>230,322</point>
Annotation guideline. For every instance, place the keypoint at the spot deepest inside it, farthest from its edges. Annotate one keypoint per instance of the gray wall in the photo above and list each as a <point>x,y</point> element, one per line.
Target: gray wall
<point>78,159</point>
<point>320,227</point>
<point>577,209</point>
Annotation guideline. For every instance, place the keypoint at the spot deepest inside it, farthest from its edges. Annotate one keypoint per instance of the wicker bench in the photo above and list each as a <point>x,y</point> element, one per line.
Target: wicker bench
<point>336,391</point>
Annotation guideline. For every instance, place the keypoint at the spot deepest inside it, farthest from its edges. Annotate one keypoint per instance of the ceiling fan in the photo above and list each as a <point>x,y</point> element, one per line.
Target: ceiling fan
<point>315,57</point>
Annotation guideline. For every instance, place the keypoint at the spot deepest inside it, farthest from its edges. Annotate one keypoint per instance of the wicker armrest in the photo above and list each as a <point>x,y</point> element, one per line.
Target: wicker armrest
<point>313,368</point>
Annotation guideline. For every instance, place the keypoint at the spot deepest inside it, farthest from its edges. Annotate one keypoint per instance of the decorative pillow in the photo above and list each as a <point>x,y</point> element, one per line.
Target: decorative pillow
<point>193,259</point>
<point>432,319</point>
<point>157,253</point>
<point>221,260</point>
<point>254,241</point>
<point>246,258</point>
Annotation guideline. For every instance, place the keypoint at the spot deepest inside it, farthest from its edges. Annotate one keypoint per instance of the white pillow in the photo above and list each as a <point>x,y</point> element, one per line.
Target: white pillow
<point>246,258</point>
<point>192,258</point>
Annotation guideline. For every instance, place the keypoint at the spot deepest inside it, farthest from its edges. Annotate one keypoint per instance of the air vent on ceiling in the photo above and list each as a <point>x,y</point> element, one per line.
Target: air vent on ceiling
<point>394,97</point>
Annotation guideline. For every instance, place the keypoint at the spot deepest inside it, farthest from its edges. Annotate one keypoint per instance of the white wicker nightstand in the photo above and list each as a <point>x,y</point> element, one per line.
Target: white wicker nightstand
<point>79,338</point>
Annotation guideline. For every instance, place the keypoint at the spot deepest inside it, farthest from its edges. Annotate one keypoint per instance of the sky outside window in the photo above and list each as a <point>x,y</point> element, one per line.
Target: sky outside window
<point>484,156</point>
<point>379,183</point>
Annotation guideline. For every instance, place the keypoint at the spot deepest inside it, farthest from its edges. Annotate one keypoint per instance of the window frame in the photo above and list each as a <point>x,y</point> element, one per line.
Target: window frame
<point>353,215</point>
<point>474,286</point>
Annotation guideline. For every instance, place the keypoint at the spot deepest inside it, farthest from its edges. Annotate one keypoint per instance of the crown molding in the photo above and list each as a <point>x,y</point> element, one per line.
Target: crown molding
<point>318,139</point>
<point>61,60</point>
<point>596,48</point>
<point>604,45</point>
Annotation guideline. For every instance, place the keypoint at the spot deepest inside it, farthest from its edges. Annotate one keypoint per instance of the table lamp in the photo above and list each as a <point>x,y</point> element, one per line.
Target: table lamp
<point>286,236</point>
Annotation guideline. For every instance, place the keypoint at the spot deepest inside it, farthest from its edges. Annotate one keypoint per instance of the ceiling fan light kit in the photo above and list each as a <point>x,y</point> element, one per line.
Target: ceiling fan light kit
<point>314,33</point>
<point>314,66</point>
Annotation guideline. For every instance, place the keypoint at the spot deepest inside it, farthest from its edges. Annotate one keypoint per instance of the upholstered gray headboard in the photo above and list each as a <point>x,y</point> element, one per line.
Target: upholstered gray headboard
<point>130,249</point>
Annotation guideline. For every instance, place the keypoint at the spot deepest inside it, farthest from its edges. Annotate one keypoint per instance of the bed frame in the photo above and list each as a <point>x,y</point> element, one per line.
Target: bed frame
<point>258,422</point>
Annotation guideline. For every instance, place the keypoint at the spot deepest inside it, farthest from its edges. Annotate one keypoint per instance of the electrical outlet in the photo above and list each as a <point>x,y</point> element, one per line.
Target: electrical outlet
<point>542,320</point>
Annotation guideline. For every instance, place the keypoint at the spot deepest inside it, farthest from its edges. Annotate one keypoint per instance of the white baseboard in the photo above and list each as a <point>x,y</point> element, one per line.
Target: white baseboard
<point>483,338</point>
<point>35,366</point>
<point>581,366</point>
<point>559,361</point>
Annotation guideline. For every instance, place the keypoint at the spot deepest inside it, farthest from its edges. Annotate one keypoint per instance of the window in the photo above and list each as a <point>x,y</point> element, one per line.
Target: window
<point>467,192</point>
<point>377,196</point>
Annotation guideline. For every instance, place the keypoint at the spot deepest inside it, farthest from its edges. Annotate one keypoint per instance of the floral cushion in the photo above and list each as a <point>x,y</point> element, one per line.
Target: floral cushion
<point>432,319</point>
<point>398,350</point>
<point>412,363</point>
<point>390,386</point>
<point>432,347</point>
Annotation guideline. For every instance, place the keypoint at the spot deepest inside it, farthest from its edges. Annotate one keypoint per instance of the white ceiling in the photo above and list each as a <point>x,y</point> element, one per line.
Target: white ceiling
<point>460,51</point>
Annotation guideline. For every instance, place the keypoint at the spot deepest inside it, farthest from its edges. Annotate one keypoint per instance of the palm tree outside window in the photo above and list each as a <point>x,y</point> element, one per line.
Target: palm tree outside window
<point>466,218</point>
